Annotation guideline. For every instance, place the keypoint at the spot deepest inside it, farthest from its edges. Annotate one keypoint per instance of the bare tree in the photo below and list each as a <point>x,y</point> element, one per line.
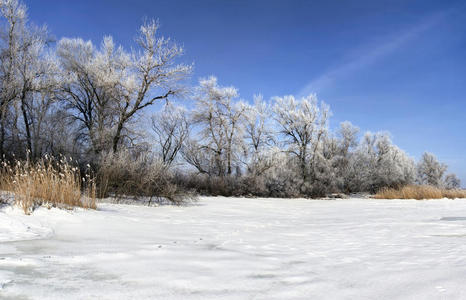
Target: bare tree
<point>171,128</point>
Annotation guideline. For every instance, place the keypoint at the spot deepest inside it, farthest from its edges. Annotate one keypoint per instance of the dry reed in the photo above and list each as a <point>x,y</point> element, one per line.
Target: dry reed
<point>419,192</point>
<point>49,182</point>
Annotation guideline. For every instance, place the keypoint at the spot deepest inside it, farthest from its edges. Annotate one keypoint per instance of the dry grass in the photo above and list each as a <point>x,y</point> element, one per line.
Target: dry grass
<point>48,182</point>
<point>419,192</point>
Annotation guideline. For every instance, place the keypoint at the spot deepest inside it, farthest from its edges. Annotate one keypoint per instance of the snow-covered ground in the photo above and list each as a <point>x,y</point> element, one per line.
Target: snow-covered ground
<point>234,248</point>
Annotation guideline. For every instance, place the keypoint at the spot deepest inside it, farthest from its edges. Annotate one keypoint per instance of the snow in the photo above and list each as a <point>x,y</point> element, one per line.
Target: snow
<point>236,248</point>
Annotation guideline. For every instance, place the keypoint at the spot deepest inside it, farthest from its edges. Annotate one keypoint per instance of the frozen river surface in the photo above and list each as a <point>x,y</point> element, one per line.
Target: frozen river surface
<point>235,248</point>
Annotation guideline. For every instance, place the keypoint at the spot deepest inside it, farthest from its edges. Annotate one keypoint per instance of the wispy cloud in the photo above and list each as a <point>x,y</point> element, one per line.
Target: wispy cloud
<point>370,54</point>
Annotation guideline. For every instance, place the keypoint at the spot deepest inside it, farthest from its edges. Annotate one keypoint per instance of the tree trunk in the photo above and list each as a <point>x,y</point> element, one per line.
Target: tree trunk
<point>303,163</point>
<point>229,163</point>
<point>117,137</point>
<point>26,125</point>
<point>2,134</point>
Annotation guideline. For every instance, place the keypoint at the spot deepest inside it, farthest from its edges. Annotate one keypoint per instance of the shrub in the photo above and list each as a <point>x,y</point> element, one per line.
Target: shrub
<point>419,192</point>
<point>48,181</point>
<point>136,174</point>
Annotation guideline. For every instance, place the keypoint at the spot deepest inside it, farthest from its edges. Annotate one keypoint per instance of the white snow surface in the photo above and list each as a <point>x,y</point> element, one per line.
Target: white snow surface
<point>237,248</point>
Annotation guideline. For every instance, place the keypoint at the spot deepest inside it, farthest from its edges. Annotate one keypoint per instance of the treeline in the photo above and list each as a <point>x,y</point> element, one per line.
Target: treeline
<point>284,148</point>
<point>74,99</point>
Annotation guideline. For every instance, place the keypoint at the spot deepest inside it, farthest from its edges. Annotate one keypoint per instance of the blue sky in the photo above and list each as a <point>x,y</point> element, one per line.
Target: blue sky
<point>398,66</point>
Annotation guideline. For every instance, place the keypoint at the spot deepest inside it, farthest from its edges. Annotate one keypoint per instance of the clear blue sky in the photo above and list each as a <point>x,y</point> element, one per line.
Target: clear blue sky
<point>398,66</point>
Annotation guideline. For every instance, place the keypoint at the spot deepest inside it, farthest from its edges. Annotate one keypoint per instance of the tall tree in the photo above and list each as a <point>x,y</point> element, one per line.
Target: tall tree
<point>259,137</point>
<point>303,124</point>
<point>171,128</point>
<point>109,87</point>
<point>13,20</point>
<point>430,171</point>
<point>220,120</point>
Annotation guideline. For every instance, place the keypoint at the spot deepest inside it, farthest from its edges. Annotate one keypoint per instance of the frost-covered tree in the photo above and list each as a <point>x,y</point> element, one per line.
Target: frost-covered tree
<point>303,125</point>
<point>452,182</point>
<point>28,75</point>
<point>430,171</point>
<point>90,76</point>
<point>108,87</point>
<point>13,20</point>
<point>12,44</point>
<point>378,163</point>
<point>259,137</point>
<point>171,129</point>
<point>346,144</point>
<point>348,138</point>
<point>38,77</point>
<point>154,76</point>
<point>280,180</point>
<point>217,147</point>
<point>337,152</point>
